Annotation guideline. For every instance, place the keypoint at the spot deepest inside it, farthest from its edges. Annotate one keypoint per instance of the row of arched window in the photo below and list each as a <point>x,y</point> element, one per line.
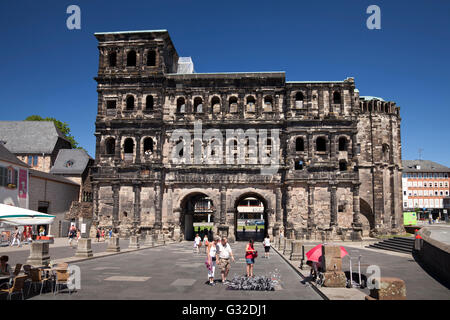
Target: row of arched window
<point>130,103</point>
<point>131,61</point>
<point>300,165</point>
<point>321,144</point>
<point>198,106</point>
<point>128,146</point>
<point>300,98</point>
<point>250,104</point>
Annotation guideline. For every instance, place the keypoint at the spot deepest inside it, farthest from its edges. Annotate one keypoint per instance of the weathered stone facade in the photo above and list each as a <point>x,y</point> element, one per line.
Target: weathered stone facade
<point>341,179</point>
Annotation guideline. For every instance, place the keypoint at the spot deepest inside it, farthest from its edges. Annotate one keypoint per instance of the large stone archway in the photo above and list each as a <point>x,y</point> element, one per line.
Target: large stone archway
<point>240,235</point>
<point>189,209</point>
<point>367,212</point>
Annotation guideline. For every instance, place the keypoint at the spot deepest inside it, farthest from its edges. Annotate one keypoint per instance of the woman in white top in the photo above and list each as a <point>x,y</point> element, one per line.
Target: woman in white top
<point>205,242</point>
<point>266,246</point>
<point>197,241</point>
<point>211,252</point>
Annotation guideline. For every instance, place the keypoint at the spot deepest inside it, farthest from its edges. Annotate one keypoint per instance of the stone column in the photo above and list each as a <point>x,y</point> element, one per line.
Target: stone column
<point>223,204</point>
<point>138,149</point>
<point>115,217</point>
<point>137,202</point>
<point>39,254</point>
<point>333,206</point>
<point>357,227</point>
<point>149,240</point>
<point>117,148</point>
<point>158,212</point>
<point>278,208</point>
<point>310,224</point>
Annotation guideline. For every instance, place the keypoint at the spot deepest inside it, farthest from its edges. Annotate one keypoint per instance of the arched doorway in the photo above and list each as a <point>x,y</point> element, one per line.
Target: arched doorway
<point>250,217</point>
<point>197,215</point>
<point>367,212</point>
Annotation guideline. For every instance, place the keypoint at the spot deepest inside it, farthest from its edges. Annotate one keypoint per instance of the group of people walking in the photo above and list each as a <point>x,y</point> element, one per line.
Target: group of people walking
<point>219,253</point>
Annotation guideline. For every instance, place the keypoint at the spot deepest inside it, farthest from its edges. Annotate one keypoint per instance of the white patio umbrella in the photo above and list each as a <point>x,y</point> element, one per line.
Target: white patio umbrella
<point>23,217</point>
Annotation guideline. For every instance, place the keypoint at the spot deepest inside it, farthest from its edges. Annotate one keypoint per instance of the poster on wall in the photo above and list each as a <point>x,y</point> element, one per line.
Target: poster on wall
<point>23,182</point>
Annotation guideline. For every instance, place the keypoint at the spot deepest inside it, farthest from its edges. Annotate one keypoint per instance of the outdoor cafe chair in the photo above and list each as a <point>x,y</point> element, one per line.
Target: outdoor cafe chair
<point>37,278</point>
<point>62,278</point>
<point>17,287</point>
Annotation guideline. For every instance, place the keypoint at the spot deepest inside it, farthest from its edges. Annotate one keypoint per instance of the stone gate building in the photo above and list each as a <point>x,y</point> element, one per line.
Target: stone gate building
<point>339,172</point>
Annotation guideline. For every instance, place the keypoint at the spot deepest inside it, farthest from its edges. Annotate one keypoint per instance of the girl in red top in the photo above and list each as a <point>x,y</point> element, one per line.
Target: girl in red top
<point>250,257</point>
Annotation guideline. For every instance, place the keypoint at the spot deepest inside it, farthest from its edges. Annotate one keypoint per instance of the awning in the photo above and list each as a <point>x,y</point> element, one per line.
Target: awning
<point>23,217</point>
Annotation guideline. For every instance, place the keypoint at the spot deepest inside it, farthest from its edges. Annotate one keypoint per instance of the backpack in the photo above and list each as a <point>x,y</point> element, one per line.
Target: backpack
<point>255,254</point>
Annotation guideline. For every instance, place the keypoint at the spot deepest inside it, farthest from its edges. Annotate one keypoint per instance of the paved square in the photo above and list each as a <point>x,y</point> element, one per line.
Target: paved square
<point>127,278</point>
<point>178,274</point>
<point>183,282</point>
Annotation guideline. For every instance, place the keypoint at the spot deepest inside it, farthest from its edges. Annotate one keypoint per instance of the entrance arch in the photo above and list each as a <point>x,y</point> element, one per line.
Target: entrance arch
<point>250,218</point>
<point>367,212</point>
<point>197,212</point>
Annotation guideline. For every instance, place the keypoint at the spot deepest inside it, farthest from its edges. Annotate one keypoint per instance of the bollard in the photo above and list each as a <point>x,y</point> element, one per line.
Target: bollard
<point>84,248</point>
<point>389,289</point>
<point>287,247</point>
<point>281,245</point>
<point>296,254</point>
<point>149,240</point>
<point>113,245</point>
<point>332,265</point>
<point>39,254</point>
<point>134,242</point>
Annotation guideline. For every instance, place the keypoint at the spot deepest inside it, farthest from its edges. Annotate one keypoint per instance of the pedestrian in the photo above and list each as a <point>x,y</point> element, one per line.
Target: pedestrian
<point>72,234</point>
<point>205,242</point>
<point>316,267</point>
<point>266,243</point>
<point>243,229</point>
<point>110,233</point>
<point>16,237</point>
<point>197,242</point>
<point>224,253</point>
<point>42,231</point>
<point>250,255</point>
<point>256,228</point>
<point>211,256</point>
<point>103,234</point>
<point>97,235</point>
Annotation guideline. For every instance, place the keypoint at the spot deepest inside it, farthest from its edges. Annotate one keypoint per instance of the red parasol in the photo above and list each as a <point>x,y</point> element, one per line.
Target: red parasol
<point>315,253</point>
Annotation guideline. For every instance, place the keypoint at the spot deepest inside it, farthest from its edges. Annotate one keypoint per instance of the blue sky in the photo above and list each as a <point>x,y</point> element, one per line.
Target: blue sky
<point>47,69</point>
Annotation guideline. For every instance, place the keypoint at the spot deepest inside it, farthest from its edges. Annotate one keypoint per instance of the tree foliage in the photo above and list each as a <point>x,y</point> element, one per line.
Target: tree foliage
<point>62,126</point>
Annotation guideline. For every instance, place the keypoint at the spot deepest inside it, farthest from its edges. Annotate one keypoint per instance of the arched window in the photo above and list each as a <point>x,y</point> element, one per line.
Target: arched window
<point>268,104</point>
<point>269,146</point>
<point>215,102</point>
<point>198,105</point>
<point>130,103</point>
<point>112,56</point>
<point>180,142</point>
<point>128,145</point>
<point>321,144</point>
<point>299,100</point>
<point>181,105</point>
<point>151,58</point>
<point>110,145</point>
<point>342,144</point>
<point>342,165</point>
<point>149,102</point>
<point>385,150</point>
<point>299,144</point>
<point>131,58</point>
<point>336,97</point>
<point>148,146</point>
<point>386,108</point>
<point>233,101</point>
<point>251,104</point>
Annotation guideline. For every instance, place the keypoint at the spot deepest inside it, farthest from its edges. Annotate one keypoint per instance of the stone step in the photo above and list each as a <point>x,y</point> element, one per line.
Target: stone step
<point>389,248</point>
<point>397,244</point>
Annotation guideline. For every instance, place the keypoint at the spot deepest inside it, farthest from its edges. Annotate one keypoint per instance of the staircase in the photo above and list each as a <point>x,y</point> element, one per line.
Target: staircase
<point>397,244</point>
